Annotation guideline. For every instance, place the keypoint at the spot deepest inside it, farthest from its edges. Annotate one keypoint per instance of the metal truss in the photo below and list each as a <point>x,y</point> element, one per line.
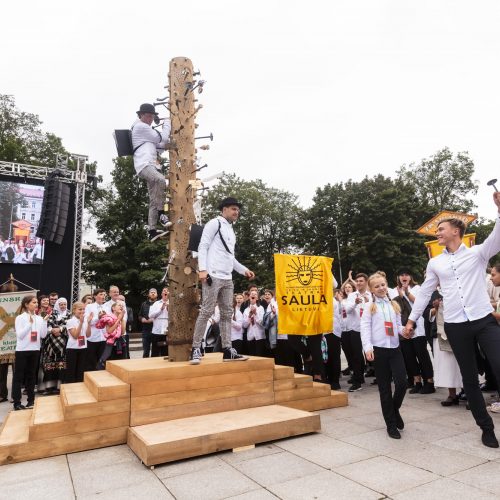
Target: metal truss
<point>64,174</point>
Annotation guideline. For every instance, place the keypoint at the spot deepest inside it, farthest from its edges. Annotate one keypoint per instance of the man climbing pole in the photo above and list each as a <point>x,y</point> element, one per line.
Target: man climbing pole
<point>147,144</point>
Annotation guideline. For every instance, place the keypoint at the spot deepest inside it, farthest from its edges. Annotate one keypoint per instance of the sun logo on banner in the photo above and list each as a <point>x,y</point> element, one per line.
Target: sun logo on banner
<point>304,272</point>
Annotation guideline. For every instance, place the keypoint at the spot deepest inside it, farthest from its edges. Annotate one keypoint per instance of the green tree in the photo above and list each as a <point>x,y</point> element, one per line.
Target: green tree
<point>442,182</point>
<point>126,259</point>
<point>22,139</point>
<point>266,225</point>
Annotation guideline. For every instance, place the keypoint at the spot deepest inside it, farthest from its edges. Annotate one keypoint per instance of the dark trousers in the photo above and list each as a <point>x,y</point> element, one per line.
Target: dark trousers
<point>94,352</point>
<point>256,347</point>
<point>357,361</point>
<point>462,338</point>
<point>147,338</point>
<point>4,370</point>
<point>389,365</point>
<point>238,345</point>
<point>417,358</point>
<point>75,365</point>
<point>312,349</point>
<point>26,365</point>
<point>333,364</point>
<point>346,347</point>
<point>284,354</point>
<point>158,350</point>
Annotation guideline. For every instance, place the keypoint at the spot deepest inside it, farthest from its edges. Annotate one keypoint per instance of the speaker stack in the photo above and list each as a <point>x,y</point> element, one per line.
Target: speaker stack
<point>55,207</point>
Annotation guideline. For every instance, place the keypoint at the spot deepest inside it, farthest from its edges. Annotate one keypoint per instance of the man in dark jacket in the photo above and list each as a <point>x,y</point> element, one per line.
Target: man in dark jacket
<point>146,323</point>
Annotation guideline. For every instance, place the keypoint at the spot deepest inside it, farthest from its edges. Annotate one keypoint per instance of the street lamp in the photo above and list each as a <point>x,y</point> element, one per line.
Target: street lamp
<point>338,250</point>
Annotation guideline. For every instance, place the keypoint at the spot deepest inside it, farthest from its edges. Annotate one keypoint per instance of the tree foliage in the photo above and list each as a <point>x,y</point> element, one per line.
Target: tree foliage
<point>266,225</point>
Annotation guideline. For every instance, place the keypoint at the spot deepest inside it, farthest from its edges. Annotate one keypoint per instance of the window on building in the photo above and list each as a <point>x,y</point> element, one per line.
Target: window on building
<point>32,217</point>
<point>23,216</point>
<point>33,204</point>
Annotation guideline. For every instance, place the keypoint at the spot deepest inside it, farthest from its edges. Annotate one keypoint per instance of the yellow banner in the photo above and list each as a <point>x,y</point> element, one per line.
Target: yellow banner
<point>304,292</point>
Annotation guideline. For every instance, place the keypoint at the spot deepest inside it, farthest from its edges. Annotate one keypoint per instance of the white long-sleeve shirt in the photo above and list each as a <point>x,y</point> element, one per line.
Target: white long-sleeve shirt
<point>337,319</point>
<point>237,324</point>
<point>461,276</point>
<point>356,311</point>
<point>373,331</point>
<point>415,290</point>
<point>159,317</point>
<point>24,340</point>
<point>255,330</point>
<point>213,256</point>
<point>153,142</point>
<point>96,334</point>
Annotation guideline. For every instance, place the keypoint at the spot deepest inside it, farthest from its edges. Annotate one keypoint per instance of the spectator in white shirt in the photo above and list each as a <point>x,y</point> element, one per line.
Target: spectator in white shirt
<point>96,341</point>
<point>76,348</point>
<point>460,272</point>
<point>237,324</point>
<point>495,281</point>
<point>148,143</point>
<point>380,330</point>
<point>158,312</point>
<point>346,289</point>
<point>253,318</point>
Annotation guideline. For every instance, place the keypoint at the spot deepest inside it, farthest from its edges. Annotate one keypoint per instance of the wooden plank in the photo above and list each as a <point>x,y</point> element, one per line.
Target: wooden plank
<point>189,437</point>
<point>151,369</point>
<point>188,384</point>
<point>302,378</point>
<point>317,390</point>
<point>77,393</point>
<point>204,408</point>
<point>335,400</point>
<point>287,384</point>
<point>20,452</point>
<point>199,395</point>
<point>104,386</point>
<point>15,429</point>
<point>283,372</point>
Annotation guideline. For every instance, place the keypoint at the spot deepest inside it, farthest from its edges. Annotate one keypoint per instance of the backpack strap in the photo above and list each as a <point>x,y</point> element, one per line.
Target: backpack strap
<point>222,239</point>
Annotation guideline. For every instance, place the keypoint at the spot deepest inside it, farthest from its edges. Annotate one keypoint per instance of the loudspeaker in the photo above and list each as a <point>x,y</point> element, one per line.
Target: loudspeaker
<point>55,207</point>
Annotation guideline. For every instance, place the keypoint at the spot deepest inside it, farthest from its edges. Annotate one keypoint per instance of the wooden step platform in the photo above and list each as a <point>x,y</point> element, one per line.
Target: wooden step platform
<point>189,437</point>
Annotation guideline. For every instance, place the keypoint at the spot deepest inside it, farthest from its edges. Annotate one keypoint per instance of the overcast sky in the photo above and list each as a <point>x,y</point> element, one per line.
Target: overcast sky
<point>298,94</point>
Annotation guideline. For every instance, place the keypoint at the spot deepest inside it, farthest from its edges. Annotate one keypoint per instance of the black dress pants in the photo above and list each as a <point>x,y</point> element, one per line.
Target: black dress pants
<point>462,338</point>
<point>333,364</point>
<point>25,368</point>
<point>416,357</point>
<point>238,345</point>
<point>94,353</point>
<point>159,346</point>
<point>4,370</point>
<point>75,365</point>
<point>357,361</point>
<point>389,365</point>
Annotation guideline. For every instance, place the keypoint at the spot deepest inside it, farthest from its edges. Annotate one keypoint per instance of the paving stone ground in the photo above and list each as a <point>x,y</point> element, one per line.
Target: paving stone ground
<point>439,456</point>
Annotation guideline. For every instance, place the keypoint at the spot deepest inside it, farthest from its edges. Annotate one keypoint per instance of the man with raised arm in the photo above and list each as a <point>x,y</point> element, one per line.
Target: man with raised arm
<point>460,271</point>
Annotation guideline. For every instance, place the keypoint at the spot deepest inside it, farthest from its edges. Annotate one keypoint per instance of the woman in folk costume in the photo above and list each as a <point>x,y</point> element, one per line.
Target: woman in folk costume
<point>54,348</point>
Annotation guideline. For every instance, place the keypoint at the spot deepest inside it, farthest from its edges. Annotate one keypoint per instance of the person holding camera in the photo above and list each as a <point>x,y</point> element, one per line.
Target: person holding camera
<point>148,143</point>
<point>216,262</point>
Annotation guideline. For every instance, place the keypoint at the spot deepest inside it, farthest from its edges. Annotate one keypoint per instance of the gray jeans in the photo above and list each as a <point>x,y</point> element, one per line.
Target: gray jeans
<point>220,293</point>
<point>156,190</point>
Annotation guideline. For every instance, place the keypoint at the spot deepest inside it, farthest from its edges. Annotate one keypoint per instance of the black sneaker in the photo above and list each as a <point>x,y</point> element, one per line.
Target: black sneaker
<point>347,371</point>
<point>489,439</point>
<point>29,405</point>
<point>393,433</point>
<point>19,406</point>
<point>428,388</point>
<point>355,387</point>
<point>416,388</point>
<point>399,421</point>
<point>335,386</point>
<point>230,354</point>
<point>195,356</point>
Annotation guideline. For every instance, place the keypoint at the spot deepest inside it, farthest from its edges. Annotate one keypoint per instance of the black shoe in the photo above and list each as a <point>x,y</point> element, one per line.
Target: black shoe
<point>19,406</point>
<point>393,433</point>
<point>467,406</point>
<point>428,388</point>
<point>29,405</point>
<point>335,386</point>
<point>399,421</point>
<point>230,354</point>
<point>416,388</point>
<point>347,371</point>
<point>355,387</point>
<point>196,356</point>
<point>370,372</point>
<point>350,381</point>
<point>449,401</point>
<point>4,400</point>
<point>489,439</point>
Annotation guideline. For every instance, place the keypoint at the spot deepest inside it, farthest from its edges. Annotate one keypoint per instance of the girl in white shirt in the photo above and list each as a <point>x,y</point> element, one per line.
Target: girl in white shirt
<point>253,317</point>
<point>237,324</point>
<point>76,348</point>
<point>380,330</point>
<point>30,329</point>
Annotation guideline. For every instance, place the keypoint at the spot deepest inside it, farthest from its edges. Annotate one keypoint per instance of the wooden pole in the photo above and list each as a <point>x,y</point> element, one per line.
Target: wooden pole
<point>182,277</point>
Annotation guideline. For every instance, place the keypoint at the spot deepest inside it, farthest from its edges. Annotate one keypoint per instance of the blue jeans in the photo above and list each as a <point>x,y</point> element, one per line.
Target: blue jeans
<point>147,338</point>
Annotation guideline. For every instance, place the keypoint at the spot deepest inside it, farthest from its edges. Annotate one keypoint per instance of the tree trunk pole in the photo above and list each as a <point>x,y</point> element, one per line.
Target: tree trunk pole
<point>182,277</point>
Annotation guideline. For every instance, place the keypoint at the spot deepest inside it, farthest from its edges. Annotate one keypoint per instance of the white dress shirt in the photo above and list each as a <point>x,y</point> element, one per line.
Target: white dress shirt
<point>337,318</point>
<point>373,328</point>
<point>414,290</point>
<point>96,334</point>
<point>255,331</point>
<point>237,324</point>
<point>72,324</point>
<point>461,276</point>
<point>159,317</point>
<point>24,340</point>
<point>356,311</point>
<point>213,256</point>
<point>153,143</point>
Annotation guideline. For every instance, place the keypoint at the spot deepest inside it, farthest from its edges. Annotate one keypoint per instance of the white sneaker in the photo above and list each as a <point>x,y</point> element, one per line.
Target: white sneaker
<point>195,356</point>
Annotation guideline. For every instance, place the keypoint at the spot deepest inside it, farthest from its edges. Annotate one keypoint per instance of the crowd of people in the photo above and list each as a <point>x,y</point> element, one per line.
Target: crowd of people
<point>20,252</point>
